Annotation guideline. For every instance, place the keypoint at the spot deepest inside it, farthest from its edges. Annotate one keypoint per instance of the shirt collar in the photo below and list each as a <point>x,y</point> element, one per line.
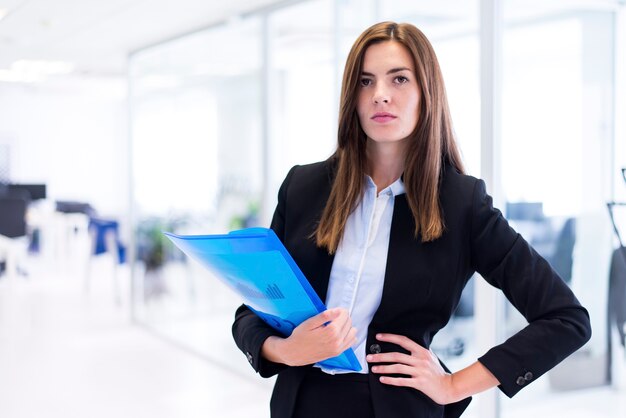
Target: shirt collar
<point>396,188</point>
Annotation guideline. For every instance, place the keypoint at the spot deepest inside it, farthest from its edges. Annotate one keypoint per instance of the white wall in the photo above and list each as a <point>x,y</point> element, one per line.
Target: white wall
<point>70,134</point>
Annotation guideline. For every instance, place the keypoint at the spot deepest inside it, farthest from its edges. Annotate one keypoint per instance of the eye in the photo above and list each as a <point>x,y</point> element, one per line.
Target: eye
<point>365,82</point>
<point>400,79</point>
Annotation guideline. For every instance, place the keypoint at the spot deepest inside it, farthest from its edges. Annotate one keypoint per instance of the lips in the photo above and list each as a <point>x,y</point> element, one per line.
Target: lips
<point>383,117</point>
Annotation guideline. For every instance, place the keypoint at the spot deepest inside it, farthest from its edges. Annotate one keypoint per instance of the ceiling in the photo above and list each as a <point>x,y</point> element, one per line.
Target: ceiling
<point>98,35</point>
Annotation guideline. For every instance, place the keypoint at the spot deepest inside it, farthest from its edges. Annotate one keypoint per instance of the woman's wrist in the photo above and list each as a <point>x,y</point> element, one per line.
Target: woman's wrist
<point>454,392</point>
<point>274,349</point>
<point>470,381</point>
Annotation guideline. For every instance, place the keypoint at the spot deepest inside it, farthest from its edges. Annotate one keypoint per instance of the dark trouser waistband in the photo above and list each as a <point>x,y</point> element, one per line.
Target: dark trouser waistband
<point>333,396</point>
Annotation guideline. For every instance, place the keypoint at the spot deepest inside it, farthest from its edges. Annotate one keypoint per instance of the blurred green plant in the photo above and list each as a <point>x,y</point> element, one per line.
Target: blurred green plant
<point>153,247</point>
<point>248,220</point>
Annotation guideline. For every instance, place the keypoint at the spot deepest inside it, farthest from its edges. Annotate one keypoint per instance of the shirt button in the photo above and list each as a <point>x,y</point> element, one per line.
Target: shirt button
<point>351,279</point>
<point>520,381</point>
<point>528,376</point>
<point>375,349</point>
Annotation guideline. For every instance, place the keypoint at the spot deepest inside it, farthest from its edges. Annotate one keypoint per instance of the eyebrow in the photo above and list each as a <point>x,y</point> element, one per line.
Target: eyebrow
<point>392,71</point>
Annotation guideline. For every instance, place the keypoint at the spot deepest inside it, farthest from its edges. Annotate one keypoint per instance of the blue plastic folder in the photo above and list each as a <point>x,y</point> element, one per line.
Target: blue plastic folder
<point>255,264</point>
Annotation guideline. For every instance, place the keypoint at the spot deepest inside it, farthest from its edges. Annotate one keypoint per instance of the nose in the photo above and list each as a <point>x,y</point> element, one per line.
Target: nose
<point>381,96</point>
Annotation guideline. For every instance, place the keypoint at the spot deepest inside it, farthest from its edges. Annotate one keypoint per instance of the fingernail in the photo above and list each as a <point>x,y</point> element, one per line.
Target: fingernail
<point>368,358</point>
<point>379,335</point>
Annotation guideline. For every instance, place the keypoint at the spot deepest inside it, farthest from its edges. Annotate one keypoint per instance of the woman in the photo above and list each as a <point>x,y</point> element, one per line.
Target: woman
<point>388,231</point>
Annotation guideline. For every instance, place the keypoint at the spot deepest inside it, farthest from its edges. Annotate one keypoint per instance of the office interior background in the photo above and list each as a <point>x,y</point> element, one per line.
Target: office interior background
<point>126,118</point>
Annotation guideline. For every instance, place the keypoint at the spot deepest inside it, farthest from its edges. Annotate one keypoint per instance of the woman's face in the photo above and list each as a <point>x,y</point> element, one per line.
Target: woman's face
<point>389,96</point>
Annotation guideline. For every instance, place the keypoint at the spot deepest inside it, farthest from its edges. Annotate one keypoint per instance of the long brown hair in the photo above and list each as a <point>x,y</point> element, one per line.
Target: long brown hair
<point>430,145</point>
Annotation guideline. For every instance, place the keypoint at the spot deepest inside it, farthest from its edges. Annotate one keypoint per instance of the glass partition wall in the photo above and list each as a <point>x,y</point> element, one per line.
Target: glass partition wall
<point>196,146</point>
<point>220,115</point>
<point>557,170</point>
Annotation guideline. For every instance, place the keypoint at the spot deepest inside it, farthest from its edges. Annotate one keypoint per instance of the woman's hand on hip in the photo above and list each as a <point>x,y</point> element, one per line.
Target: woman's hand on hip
<point>421,367</point>
<point>323,336</point>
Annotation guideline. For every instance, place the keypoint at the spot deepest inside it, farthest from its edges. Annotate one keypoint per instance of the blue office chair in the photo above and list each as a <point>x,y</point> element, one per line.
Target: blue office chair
<point>105,240</point>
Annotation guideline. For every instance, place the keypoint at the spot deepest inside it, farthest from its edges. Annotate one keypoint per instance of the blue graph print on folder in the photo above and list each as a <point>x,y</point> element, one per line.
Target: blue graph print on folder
<point>255,264</point>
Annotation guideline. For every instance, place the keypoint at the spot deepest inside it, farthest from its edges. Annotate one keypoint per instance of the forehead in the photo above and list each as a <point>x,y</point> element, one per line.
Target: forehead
<point>387,55</point>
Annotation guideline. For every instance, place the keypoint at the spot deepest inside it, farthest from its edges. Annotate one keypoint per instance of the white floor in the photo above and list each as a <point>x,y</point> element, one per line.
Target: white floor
<point>66,353</point>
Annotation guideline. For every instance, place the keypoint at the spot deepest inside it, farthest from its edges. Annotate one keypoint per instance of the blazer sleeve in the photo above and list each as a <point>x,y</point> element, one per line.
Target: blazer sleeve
<point>250,331</point>
<point>558,324</point>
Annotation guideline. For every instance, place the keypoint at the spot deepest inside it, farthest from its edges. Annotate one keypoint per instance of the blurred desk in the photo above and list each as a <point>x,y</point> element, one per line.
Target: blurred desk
<point>61,237</point>
<point>13,253</point>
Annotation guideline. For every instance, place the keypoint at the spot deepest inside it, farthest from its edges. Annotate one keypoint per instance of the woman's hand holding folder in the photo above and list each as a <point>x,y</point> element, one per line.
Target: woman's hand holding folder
<point>323,336</point>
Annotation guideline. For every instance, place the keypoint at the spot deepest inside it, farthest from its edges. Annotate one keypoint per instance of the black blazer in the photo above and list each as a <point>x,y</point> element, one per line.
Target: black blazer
<point>422,288</point>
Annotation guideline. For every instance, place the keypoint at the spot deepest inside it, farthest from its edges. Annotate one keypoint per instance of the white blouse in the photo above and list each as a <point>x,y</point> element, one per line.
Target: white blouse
<point>358,271</point>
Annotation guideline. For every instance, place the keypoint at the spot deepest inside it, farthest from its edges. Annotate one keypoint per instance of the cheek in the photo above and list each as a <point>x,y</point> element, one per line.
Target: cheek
<point>413,104</point>
<point>361,108</point>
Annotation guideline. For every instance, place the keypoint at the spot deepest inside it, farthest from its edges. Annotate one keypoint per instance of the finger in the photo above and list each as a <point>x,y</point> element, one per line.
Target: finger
<point>396,381</point>
<point>350,338</point>
<point>402,341</point>
<point>395,369</point>
<point>322,318</point>
<point>346,326</point>
<point>392,358</point>
<point>337,329</point>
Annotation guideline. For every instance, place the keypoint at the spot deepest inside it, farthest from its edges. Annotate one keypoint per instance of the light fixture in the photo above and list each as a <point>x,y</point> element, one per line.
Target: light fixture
<point>42,67</point>
<point>32,71</point>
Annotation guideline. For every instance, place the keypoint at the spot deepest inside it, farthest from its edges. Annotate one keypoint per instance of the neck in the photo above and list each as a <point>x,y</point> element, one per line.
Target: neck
<point>385,163</point>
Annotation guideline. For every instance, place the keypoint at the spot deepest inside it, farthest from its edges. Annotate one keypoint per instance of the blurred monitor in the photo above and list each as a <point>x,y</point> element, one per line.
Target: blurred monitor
<point>36,191</point>
<point>70,206</point>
